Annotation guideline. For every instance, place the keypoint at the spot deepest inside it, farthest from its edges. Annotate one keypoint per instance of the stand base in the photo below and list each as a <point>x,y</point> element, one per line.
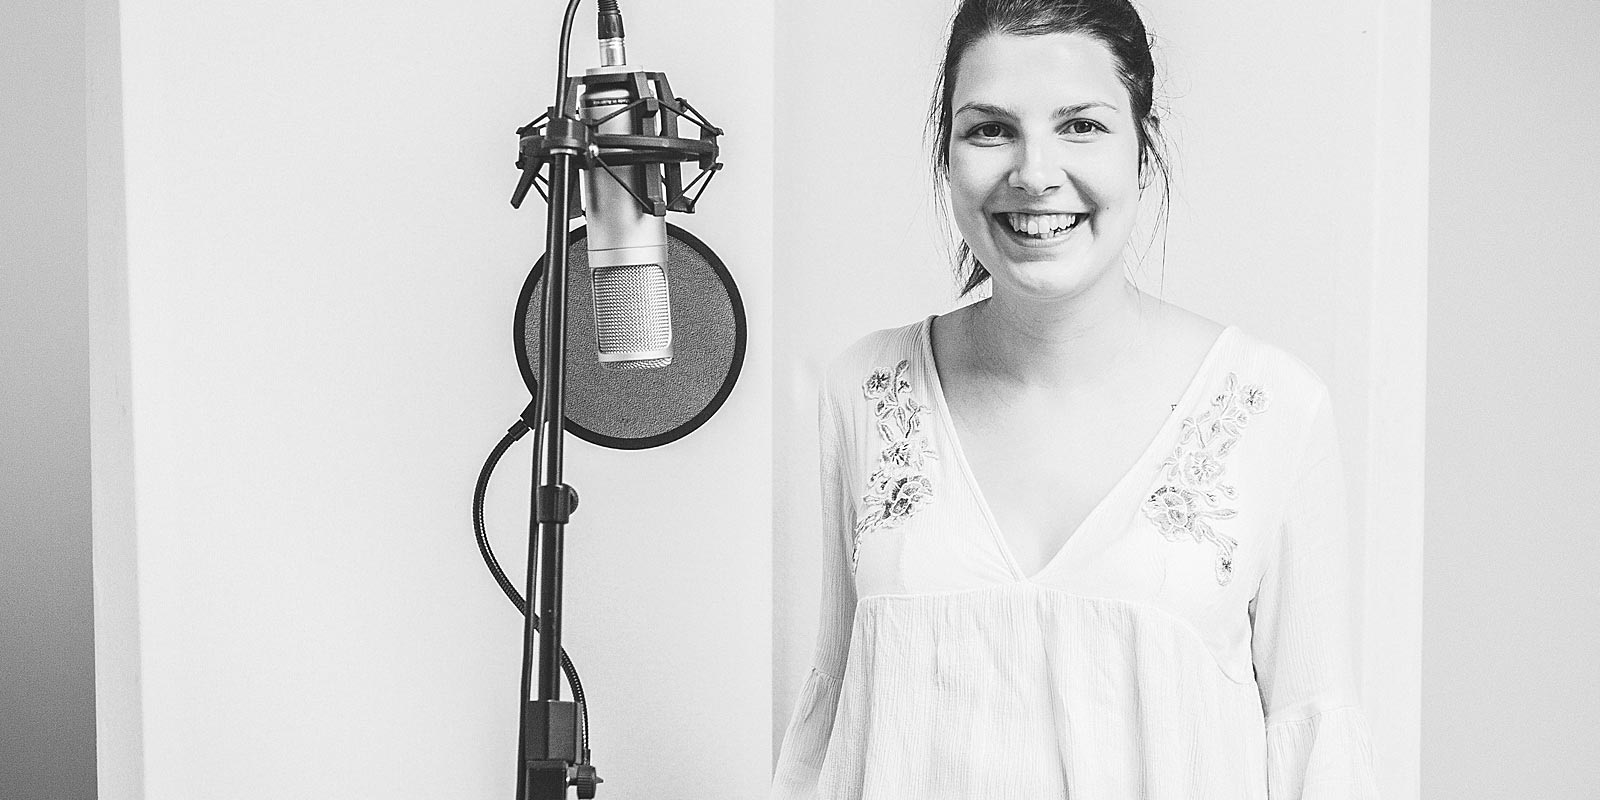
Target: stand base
<point>547,780</point>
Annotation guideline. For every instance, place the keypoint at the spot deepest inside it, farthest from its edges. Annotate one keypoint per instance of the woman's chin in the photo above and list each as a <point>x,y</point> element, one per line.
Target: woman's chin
<point>1045,280</point>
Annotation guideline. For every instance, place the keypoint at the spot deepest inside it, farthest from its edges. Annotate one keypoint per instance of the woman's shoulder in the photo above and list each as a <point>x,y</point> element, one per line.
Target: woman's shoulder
<point>1273,375</point>
<point>1288,377</point>
<point>1249,357</point>
<point>880,350</point>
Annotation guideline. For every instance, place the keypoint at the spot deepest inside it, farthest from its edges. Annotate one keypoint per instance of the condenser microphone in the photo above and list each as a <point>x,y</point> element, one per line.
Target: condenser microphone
<point>627,245</point>
<point>648,366</point>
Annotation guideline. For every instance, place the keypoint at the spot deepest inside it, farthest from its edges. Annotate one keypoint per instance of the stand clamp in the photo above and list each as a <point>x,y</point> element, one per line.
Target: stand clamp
<point>555,504</point>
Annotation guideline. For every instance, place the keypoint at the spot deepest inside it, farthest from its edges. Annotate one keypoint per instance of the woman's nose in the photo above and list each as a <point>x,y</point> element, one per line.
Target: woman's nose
<point>1038,170</point>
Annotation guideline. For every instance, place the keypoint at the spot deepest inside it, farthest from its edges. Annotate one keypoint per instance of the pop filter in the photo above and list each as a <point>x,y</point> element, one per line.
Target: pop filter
<point>639,408</point>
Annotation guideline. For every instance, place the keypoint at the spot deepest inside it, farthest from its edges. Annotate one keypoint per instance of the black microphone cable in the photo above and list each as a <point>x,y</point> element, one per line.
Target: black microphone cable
<point>565,43</point>
<point>519,429</point>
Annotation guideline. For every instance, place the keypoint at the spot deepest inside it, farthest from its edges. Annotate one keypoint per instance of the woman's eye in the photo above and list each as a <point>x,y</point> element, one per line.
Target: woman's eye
<point>1083,127</point>
<point>988,130</point>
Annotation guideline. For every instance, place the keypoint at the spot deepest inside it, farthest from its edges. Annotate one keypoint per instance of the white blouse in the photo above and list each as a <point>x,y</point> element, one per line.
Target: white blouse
<point>1190,640</point>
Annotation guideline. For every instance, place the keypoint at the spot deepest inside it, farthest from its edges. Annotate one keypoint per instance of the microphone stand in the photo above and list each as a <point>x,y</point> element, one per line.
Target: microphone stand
<point>550,755</point>
<point>549,730</point>
<point>552,752</point>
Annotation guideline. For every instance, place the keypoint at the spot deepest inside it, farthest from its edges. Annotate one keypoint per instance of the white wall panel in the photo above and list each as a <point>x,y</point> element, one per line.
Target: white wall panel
<point>323,270</point>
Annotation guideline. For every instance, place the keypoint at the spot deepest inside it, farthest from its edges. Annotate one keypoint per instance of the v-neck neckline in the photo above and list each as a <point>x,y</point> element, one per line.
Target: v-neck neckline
<point>1158,443</point>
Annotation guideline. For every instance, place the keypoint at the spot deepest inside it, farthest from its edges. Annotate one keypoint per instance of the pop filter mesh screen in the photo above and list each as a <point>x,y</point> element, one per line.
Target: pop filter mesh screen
<point>637,408</point>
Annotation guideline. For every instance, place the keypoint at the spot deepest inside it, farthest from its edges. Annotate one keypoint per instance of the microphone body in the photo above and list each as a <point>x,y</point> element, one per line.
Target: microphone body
<point>627,245</point>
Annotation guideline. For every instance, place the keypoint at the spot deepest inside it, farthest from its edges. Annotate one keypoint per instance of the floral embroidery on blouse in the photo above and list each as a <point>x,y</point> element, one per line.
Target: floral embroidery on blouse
<point>899,487</point>
<point>1194,492</point>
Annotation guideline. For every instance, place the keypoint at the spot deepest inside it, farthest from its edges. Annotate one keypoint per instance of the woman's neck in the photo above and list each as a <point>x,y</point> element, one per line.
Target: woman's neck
<point>1070,345</point>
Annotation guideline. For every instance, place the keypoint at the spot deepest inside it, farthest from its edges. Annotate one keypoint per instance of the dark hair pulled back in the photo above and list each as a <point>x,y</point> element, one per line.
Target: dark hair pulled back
<point>1113,23</point>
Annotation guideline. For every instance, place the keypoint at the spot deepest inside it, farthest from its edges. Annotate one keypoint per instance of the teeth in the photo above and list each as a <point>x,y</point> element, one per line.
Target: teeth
<point>1042,225</point>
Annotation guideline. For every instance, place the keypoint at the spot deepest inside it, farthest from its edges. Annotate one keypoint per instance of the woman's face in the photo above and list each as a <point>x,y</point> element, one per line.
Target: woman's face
<point>1044,162</point>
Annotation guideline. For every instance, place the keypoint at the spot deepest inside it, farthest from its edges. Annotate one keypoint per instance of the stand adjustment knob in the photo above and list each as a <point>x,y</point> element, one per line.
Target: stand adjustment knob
<point>587,781</point>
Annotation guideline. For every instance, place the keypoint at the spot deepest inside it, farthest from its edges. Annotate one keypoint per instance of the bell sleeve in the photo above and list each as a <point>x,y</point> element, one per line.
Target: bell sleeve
<point>805,743</point>
<point>1318,741</point>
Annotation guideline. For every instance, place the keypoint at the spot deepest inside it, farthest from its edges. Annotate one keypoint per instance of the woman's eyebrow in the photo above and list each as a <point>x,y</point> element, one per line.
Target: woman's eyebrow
<point>985,108</point>
<point>1067,111</point>
<point>1064,111</point>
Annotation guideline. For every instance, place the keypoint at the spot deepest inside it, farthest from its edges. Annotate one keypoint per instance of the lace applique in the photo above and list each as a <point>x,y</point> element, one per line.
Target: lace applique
<point>1194,491</point>
<point>899,488</point>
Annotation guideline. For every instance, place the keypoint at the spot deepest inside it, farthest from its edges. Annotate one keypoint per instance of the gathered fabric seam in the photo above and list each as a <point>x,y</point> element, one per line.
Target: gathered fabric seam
<point>1183,623</point>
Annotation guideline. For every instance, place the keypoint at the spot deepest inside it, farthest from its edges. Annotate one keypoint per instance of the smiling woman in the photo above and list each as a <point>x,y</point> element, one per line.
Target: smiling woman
<point>1081,542</point>
<point>1043,162</point>
<point>999,65</point>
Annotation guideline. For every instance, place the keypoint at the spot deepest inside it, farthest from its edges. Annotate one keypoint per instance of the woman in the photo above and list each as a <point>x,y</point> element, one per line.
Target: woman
<point>1081,542</point>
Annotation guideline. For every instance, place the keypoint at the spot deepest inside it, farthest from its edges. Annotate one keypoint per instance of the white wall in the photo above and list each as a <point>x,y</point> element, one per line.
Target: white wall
<point>1509,703</point>
<point>322,274</point>
<point>1299,191</point>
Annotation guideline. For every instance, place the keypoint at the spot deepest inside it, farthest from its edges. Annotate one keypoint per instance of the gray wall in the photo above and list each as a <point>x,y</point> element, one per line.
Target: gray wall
<point>1510,704</point>
<point>47,723</point>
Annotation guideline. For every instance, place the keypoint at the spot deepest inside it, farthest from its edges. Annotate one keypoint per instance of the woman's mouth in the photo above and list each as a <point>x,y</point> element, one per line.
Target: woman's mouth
<point>1040,227</point>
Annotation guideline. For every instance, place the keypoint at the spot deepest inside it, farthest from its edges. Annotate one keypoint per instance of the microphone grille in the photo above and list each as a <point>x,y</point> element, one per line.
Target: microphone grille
<point>633,314</point>
<point>641,408</point>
